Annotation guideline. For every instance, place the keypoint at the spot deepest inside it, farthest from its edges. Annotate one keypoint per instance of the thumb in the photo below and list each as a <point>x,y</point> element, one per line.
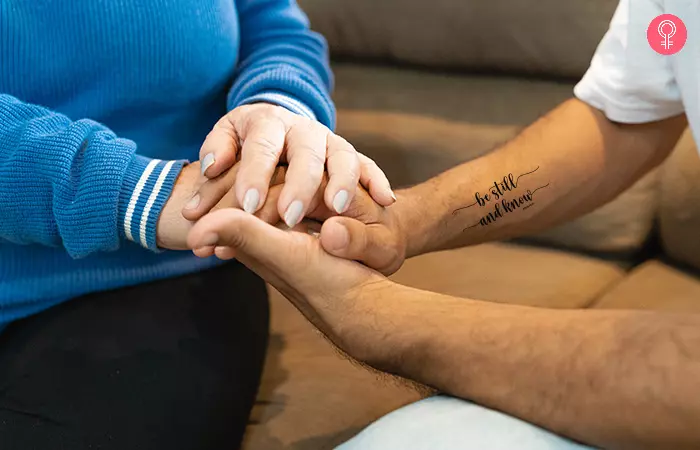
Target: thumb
<point>373,245</point>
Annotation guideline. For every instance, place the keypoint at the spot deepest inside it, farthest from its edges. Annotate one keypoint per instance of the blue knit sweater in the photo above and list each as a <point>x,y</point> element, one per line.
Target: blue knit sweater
<point>101,101</point>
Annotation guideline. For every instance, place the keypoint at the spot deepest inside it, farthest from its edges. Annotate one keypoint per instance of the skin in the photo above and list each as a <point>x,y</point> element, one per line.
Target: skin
<point>261,135</point>
<point>172,228</point>
<point>255,139</point>
<point>612,379</point>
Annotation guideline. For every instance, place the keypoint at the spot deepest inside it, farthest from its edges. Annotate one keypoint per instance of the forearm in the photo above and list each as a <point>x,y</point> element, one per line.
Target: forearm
<point>566,164</point>
<point>74,183</point>
<point>613,379</point>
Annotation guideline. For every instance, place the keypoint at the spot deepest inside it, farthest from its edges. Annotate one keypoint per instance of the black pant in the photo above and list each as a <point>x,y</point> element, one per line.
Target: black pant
<point>169,365</point>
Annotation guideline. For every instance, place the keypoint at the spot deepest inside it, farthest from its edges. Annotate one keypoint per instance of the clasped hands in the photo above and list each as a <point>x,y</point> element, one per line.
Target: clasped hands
<point>233,200</point>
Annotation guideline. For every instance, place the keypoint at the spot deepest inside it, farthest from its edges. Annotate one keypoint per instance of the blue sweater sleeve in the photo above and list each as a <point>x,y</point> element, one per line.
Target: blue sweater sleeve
<point>74,183</point>
<point>282,61</point>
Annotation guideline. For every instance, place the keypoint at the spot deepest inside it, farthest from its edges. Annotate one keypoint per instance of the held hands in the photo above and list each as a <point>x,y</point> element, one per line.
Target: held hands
<point>263,135</point>
<point>173,227</point>
<point>329,291</point>
<point>366,232</point>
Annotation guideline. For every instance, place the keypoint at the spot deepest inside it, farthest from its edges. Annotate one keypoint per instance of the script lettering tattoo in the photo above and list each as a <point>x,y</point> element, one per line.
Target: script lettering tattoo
<point>497,193</point>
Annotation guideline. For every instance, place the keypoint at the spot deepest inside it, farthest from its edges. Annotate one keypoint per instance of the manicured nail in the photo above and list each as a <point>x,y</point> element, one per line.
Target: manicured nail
<point>251,201</point>
<point>207,162</point>
<point>293,214</point>
<point>193,203</point>
<point>340,201</point>
<point>393,195</point>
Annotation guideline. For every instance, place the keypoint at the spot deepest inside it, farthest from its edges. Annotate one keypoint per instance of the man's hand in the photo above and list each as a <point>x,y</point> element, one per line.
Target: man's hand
<point>324,288</point>
<point>367,233</point>
<point>262,135</point>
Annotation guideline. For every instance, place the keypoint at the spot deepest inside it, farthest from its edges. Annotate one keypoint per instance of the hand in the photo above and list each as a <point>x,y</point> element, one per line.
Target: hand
<point>326,289</point>
<point>173,227</point>
<point>266,134</point>
<point>366,232</point>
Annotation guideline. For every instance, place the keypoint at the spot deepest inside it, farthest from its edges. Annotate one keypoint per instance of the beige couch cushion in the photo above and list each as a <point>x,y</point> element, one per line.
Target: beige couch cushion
<point>417,124</point>
<point>657,286</point>
<point>679,205</point>
<point>553,37</point>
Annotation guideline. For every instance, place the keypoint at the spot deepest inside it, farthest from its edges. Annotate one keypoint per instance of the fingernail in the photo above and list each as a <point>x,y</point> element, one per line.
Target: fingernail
<point>251,201</point>
<point>340,201</point>
<point>293,214</point>
<point>209,240</point>
<point>313,233</point>
<point>193,203</point>
<point>343,239</point>
<point>393,195</point>
<point>207,162</point>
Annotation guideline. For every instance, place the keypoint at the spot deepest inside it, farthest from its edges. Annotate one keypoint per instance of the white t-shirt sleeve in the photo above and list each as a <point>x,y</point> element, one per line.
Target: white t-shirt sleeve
<point>627,79</point>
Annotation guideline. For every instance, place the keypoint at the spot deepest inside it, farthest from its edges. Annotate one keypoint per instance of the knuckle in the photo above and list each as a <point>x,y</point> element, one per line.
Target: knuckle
<point>316,158</point>
<point>265,147</point>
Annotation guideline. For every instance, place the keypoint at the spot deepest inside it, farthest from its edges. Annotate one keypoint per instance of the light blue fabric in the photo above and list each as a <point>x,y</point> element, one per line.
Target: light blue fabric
<point>445,423</point>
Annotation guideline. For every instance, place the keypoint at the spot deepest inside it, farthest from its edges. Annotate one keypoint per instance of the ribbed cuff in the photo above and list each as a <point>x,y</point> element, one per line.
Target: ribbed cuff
<point>290,83</point>
<point>283,100</point>
<point>147,186</point>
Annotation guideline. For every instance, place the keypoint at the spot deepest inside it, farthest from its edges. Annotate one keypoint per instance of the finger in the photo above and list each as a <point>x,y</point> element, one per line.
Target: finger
<point>204,252</point>
<point>220,149</point>
<point>218,194</point>
<point>225,253</point>
<point>263,143</point>
<point>375,181</point>
<point>306,152</point>
<point>276,255</point>
<point>278,251</point>
<point>269,213</point>
<point>343,167</point>
<point>210,194</point>
<point>373,245</point>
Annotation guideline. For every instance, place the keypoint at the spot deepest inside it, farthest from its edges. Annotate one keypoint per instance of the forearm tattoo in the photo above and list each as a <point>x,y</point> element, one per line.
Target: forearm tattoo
<point>501,198</point>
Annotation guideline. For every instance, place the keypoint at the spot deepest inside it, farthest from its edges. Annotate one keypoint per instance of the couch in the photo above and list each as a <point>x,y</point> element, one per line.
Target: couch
<point>423,86</point>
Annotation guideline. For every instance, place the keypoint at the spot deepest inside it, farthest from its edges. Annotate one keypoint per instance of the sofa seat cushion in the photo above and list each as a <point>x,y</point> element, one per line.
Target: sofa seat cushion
<point>655,285</point>
<point>417,124</point>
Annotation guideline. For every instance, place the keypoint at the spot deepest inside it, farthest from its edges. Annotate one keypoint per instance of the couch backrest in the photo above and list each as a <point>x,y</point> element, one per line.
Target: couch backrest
<point>550,37</point>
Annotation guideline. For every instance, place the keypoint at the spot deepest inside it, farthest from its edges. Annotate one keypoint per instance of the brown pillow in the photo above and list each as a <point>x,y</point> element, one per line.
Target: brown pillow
<point>551,37</point>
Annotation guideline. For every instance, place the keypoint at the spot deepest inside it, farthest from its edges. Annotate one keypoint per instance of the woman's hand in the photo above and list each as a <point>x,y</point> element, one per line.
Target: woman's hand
<point>173,227</point>
<point>261,135</point>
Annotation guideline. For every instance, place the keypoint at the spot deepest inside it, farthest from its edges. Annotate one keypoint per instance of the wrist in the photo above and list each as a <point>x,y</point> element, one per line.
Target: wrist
<point>409,213</point>
<point>282,100</point>
<point>371,322</point>
<point>146,187</point>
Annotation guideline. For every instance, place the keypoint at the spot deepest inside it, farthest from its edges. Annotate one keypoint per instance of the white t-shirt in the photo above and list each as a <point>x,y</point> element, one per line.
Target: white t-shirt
<point>630,82</point>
